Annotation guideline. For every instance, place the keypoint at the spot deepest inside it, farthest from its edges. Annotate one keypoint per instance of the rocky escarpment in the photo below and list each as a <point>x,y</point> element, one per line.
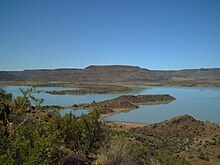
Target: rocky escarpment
<point>119,74</point>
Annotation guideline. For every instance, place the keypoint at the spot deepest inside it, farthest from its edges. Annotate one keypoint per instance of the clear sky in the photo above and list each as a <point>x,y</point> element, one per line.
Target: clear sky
<point>154,34</point>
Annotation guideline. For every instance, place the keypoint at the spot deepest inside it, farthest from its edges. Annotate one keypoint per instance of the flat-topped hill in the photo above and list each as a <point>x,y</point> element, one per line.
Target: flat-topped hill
<point>111,67</point>
<point>119,74</point>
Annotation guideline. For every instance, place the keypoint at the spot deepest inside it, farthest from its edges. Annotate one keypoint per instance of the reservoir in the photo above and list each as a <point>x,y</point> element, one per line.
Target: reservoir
<point>201,103</point>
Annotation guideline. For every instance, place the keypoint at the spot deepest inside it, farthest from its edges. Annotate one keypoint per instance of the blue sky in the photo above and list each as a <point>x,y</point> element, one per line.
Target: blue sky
<point>154,34</point>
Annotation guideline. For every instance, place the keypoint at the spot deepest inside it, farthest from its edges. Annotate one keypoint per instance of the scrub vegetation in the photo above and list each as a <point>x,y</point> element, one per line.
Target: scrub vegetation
<point>30,135</point>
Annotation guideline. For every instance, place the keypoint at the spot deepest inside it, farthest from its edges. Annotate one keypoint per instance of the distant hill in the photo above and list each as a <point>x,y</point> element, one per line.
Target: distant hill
<point>117,73</point>
<point>5,76</point>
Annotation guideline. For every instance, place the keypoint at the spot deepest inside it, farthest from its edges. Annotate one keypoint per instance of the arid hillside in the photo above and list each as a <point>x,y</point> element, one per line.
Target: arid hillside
<point>119,74</point>
<point>185,136</point>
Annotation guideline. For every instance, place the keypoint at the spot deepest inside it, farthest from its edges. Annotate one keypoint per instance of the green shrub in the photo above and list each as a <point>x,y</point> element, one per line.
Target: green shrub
<point>203,156</point>
<point>31,136</point>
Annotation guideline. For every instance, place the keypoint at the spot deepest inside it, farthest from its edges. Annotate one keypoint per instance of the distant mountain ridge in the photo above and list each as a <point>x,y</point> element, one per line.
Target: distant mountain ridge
<point>114,73</point>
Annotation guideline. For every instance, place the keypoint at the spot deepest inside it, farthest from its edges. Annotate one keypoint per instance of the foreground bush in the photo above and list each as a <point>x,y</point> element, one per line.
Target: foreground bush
<point>30,136</point>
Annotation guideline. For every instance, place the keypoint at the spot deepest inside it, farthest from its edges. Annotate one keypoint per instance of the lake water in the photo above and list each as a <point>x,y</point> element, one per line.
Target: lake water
<point>75,112</point>
<point>64,100</point>
<point>201,103</point>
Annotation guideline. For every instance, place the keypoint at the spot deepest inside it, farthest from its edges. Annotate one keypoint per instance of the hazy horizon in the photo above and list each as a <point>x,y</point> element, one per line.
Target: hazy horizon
<point>107,65</point>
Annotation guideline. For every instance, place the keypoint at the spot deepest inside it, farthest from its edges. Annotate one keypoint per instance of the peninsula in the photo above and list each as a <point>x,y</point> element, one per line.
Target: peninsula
<point>124,103</point>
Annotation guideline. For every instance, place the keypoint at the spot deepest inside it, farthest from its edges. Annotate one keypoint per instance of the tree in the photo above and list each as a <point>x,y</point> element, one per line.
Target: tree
<point>31,136</point>
<point>26,137</point>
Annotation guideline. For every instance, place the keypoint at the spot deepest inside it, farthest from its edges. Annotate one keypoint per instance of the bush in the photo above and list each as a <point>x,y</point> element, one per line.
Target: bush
<point>203,156</point>
<point>31,136</point>
<point>82,134</point>
<point>190,157</point>
<point>122,151</point>
<point>164,158</point>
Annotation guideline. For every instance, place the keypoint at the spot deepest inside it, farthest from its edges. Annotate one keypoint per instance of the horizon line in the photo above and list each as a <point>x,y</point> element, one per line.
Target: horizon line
<point>81,68</point>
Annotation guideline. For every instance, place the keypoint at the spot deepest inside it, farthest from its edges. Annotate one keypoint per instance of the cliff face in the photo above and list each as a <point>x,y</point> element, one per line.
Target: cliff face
<point>116,73</point>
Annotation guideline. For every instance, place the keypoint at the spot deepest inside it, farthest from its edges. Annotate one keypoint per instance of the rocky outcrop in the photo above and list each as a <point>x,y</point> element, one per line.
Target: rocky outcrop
<point>124,103</point>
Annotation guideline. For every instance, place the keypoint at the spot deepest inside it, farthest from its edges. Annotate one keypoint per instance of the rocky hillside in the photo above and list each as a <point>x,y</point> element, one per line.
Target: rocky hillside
<point>119,73</point>
<point>6,76</point>
<point>194,140</point>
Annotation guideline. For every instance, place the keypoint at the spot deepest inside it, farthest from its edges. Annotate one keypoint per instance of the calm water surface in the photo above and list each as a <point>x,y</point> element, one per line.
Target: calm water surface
<point>64,100</point>
<point>75,112</point>
<point>201,103</point>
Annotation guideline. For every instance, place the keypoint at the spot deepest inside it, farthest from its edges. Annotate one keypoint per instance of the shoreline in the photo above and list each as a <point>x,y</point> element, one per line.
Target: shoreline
<point>102,117</point>
<point>127,124</point>
<point>65,84</point>
<point>120,123</point>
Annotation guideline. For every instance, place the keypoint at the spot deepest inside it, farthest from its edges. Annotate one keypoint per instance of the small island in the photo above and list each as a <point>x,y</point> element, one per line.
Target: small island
<point>92,89</point>
<point>124,103</point>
